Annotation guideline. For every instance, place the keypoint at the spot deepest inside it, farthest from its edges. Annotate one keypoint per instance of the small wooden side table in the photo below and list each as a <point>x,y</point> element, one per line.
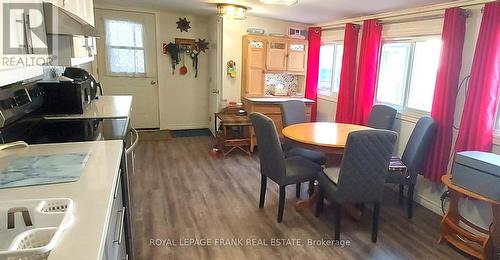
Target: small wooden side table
<point>484,245</point>
<point>227,141</point>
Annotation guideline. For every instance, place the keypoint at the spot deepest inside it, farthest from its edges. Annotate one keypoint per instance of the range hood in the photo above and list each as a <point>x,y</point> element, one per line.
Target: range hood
<point>62,22</point>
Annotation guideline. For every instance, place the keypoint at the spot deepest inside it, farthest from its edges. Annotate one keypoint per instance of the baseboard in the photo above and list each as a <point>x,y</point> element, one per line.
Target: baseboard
<point>183,126</point>
<point>424,202</point>
<point>429,204</point>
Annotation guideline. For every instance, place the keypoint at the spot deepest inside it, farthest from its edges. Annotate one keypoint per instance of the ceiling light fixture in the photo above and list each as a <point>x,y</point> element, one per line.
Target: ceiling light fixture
<point>237,12</point>
<point>279,2</point>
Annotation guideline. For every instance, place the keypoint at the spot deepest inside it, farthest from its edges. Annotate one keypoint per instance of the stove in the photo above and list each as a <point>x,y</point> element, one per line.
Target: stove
<point>22,119</point>
<point>43,131</point>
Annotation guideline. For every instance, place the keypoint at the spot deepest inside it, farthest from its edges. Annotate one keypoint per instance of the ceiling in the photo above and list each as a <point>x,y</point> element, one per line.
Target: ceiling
<point>306,11</point>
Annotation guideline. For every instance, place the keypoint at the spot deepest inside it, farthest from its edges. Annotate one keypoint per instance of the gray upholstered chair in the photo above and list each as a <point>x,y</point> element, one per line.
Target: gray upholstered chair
<point>413,158</point>
<point>294,112</point>
<point>382,117</point>
<point>361,176</point>
<point>274,165</point>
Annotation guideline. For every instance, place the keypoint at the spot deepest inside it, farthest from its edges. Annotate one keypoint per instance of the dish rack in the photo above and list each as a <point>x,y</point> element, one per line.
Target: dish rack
<point>31,229</point>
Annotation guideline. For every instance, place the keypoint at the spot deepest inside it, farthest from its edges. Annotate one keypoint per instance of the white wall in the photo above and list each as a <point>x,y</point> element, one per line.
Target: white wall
<point>427,193</point>
<point>233,30</point>
<point>183,100</point>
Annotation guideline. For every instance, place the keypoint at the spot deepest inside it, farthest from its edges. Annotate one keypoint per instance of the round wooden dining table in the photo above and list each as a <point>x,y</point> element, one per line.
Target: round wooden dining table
<point>329,138</point>
<point>326,137</point>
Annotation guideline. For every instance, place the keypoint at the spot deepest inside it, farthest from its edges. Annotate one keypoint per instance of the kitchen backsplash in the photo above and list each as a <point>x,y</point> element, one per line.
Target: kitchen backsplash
<point>290,83</point>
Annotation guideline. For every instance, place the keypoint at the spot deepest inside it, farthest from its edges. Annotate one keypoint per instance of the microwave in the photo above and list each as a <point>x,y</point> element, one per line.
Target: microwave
<point>66,97</point>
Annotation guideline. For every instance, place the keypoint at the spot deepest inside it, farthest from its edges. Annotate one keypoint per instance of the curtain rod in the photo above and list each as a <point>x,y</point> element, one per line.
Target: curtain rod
<point>466,13</point>
<point>389,16</point>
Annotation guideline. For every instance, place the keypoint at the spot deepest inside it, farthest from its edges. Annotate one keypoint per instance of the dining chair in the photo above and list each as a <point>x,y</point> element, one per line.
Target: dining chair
<point>361,175</point>
<point>382,117</point>
<point>274,165</point>
<point>413,160</point>
<point>294,112</point>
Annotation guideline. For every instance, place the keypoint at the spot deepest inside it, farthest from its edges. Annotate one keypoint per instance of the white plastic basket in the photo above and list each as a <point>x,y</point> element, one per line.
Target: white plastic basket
<point>50,218</point>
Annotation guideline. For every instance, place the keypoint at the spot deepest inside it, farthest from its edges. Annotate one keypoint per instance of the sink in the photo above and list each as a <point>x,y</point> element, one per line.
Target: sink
<point>31,229</point>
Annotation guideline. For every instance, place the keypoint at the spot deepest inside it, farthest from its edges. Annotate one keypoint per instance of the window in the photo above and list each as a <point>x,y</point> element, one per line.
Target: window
<point>330,63</point>
<point>125,48</point>
<point>407,74</point>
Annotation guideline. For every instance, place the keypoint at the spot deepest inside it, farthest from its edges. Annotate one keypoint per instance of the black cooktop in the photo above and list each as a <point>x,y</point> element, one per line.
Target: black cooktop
<point>36,130</point>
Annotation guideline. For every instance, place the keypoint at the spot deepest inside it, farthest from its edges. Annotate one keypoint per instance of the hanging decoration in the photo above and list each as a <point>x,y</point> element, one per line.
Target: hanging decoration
<point>201,45</point>
<point>173,50</point>
<point>183,70</point>
<point>183,24</point>
<point>231,68</point>
<point>194,56</point>
<point>182,48</point>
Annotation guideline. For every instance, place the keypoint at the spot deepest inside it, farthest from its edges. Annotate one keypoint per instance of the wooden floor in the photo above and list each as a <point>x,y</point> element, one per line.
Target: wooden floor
<point>179,192</point>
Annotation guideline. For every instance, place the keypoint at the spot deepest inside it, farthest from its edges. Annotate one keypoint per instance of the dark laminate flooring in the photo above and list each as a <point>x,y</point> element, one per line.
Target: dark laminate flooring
<point>179,192</point>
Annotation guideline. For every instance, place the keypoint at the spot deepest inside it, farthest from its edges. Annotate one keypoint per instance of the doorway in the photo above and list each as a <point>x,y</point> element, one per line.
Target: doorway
<point>127,65</point>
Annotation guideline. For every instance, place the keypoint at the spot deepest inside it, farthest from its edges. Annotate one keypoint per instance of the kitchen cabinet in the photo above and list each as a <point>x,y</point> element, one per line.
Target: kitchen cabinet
<point>271,108</point>
<point>297,56</point>
<point>273,55</point>
<point>71,50</point>
<point>254,65</point>
<point>276,54</point>
<point>81,8</point>
<point>114,247</point>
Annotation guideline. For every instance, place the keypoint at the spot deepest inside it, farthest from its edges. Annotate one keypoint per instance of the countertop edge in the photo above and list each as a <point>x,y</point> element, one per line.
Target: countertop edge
<point>274,101</point>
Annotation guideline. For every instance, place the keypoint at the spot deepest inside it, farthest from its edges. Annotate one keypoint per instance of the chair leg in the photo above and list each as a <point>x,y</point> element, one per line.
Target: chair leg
<point>361,207</point>
<point>281,206</point>
<point>310,189</point>
<point>376,213</point>
<point>263,186</point>
<point>401,189</point>
<point>338,215</point>
<point>297,190</point>
<point>320,202</point>
<point>411,189</point>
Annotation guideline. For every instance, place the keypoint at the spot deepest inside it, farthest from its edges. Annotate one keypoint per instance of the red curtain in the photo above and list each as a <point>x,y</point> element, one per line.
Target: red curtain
<point>481,102</point>
<point>367,70</point>
<point>313,68</point>
<point>347,88</point>
<point>445,93</point>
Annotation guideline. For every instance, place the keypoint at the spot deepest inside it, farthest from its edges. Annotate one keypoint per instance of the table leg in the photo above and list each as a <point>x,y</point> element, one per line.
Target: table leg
<point>493,248</point>
<point>332,160</point>
<point>452,214</point>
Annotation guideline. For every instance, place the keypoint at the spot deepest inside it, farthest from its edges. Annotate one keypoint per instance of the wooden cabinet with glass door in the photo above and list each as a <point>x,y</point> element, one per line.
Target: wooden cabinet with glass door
<point>273,55</point>
<point>297,56</point>
<point>254,65</point>
<point>277,54</point>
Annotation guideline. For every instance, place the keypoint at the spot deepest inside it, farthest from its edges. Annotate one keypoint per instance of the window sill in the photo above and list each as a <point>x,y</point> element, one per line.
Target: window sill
<point>411,117</point>
<point>328,98</point>
<point>496,139</point>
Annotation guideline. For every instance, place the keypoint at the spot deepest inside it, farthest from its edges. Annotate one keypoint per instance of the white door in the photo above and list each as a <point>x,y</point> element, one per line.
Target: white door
<point>215,71</point>
<point>127,62</point>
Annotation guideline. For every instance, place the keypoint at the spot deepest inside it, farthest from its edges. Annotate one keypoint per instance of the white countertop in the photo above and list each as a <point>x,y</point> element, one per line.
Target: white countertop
<point>274,100</point>
<point>103,107</point>
<point>92,195</point>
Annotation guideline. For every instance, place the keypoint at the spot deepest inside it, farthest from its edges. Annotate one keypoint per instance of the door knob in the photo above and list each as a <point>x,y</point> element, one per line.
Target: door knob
<point>153,82</point>
<point>215,91</point>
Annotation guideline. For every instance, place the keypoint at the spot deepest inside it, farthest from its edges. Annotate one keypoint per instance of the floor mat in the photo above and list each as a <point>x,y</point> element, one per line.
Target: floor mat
<point>191,132</point>
<point>155,135</point>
